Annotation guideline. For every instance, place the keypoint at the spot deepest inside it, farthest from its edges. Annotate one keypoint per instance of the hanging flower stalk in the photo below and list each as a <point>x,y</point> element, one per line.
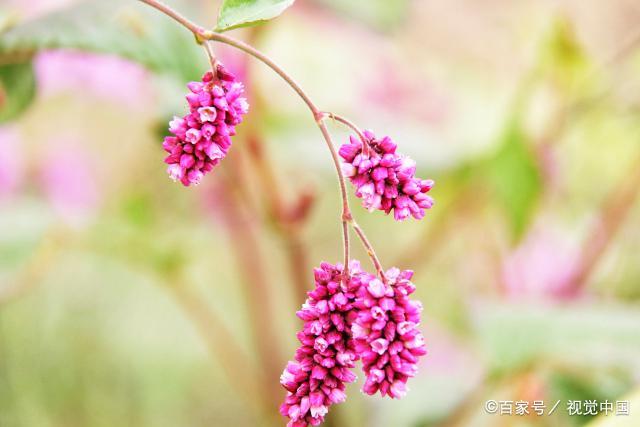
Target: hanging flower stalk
<point>351,315</point>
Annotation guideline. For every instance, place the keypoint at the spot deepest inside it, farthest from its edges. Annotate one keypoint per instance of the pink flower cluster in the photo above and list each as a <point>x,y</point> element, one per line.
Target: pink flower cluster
<point>346,319</point>
<point>386,333</point>
<point>317,377</point>
<point>203,137</point>
<point>384,179</point>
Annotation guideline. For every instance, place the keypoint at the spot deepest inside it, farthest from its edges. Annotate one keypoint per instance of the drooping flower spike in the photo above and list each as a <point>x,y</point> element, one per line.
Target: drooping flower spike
<point>385,331</point>
<point>202,138</point>
<point>347,319</point>
<point>317,378</point>
<point>385,179</point>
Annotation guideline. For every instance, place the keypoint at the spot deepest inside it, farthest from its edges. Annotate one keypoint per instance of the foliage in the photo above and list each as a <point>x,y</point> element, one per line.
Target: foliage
<point>240,13</point>
<point>17,89</point>
<point>116,27</point>
<point>519,193</point>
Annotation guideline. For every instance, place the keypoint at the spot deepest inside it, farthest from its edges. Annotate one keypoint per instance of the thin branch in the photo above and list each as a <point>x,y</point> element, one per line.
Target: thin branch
<point>370,251</point>
<point>345,236</point>
<point>197,30</point>
<point>212,56</point>
<point>346,213</point>
<point>348,123</point>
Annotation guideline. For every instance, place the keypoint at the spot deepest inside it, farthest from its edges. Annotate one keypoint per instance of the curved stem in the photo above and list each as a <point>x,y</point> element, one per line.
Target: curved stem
<point>267,61</point>
<point>346,212</point>
<point>196,29</point>
<point>370,251</point>
<point>366,146</point>
<point>202,34</point>
<point>348,123</point>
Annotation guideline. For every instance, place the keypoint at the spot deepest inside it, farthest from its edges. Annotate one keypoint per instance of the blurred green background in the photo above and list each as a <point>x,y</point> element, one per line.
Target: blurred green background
<point>128,300</point>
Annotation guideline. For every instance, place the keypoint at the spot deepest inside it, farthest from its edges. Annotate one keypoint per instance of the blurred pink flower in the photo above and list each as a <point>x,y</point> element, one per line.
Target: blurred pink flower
<point>450,357</point>
<point>11,164</point>
<point>105,76</point>
<point>541,266</point>
<point>69,182</point>
<point>392,90</point>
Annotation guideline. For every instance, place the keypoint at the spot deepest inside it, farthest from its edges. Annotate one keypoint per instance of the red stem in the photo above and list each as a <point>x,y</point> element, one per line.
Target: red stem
<point>370,251</point>
<point>348,123</point>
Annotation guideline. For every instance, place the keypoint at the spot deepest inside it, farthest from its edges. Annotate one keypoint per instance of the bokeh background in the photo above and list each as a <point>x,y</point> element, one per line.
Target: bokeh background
<point>128,300</point>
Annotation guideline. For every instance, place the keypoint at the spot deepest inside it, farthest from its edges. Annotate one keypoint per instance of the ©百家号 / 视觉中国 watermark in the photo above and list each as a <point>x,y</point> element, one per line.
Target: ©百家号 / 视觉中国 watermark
<point>572,407</point>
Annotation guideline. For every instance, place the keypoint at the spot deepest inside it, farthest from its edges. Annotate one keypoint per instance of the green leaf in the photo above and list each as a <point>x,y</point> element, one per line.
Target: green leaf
<point>516,178</point>
<point>128,29</point>
<point>240,13</point>
<point>17,89</point>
